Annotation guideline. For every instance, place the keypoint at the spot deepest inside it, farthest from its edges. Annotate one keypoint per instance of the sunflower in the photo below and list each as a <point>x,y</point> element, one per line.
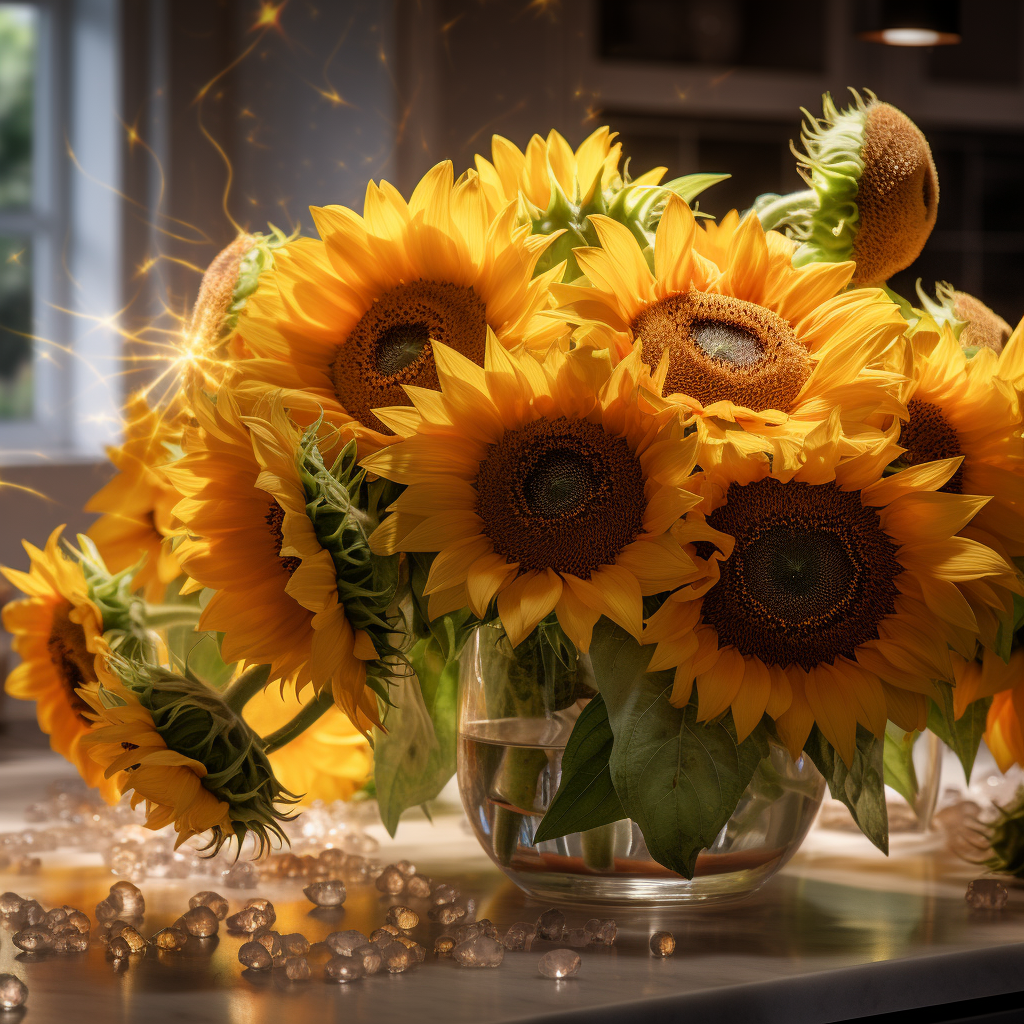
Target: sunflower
<point>735,335</point>
<point>331,760</point>
<point>252,541</point>
<point>129,751</point>
<point>1004,728</point>
<point>973,323</point>
<point>58,634</point>
<point>544,485</point>
<point>839,600</point>
<point>137,503</point>
<point>874,192</point>
<point>347,321</point>
<point>971,408</point>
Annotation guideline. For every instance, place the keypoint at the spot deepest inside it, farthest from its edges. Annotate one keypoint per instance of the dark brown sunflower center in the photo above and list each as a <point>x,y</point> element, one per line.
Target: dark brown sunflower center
<point>724,349</point>
<point>561,494</point>
<point>811,576</point>
<point>391,345</point>
<point>71,659</point>
<point>275,520</point>
<point>928,436</point>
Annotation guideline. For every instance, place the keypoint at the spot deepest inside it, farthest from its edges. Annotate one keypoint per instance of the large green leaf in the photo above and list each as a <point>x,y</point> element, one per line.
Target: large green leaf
<point>415,758</point>
<point>586,797</point>
<point>679,779</point>
<point>963,735</point>
<point>898,762</point>
<point>861,786</point>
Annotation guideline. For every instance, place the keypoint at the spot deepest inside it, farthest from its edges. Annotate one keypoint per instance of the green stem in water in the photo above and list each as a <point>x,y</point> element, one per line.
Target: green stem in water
<point>514,785</point>
<point>598,845</point>
<point>313,711</point>
<point>245,687</point>
<point>164,616</point>
<point>785,206</point>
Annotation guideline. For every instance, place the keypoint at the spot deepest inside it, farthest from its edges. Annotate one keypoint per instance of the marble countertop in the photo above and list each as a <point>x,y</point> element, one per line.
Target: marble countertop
<point>839,933</point>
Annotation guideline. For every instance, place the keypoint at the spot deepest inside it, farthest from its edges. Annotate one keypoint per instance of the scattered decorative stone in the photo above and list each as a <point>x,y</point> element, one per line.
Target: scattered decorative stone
<point>385,931</point>
<point>332,861</point>
<point>108,910</point>
<point>397,958</point>
<point>200,921</point>
<point>560,963</point>
<point>114,928</point>
<point>33,940</point>
<point>136,943</point>
<point>326,894</point>
<point>128,897</point>
<point>250,920</point>
<point>33,914</point>
<point>345,943</point>
<point>54,918</point>
<point>479,951</point>
<point>244,874</point>
<point>442,894</point>
<point>551,925</point>
<point>603,932</point>
<point>370,957</point>
<point>266,906</point>
<point>577,937</point>
<point>515,937</point>
<point>296,968</point>
<point>418,887</point>
<point>169,938</point>
<point>443,945</point>
<point>118,949</point>
<point>71,941</point>
<point>447,913</point>
<point>344,969</point>
<point>406,867</point>
<point>79,921</point>
<point>210,899</point>
<point>295,944</point>
<point>403,917</point>
<point>663,944</point>
<point>418,951</point>
<point>391,881</point>
<point>13,992</point>
<point>986,894</point>
<point>255,956</point>
<point>271,942</point>
<point>10,903</point>
<point>474,928</point>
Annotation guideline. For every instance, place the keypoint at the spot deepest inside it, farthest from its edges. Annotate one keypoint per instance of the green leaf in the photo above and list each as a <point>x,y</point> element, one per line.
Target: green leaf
<point>860,786</point>
<point>586,797</point>
<point>679,779</point>
<point>1009,623</point>
<point>689,186</point>
<point>963,735</point>
<point>898,762</point>
<point>415,758</point>
<point>193,652</point>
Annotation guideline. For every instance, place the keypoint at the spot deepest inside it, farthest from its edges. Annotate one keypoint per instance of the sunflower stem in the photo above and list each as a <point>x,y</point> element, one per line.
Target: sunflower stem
<point>245,687</point>
<point>164,616</point>
<point>314,710</point>
<point>785,206</point>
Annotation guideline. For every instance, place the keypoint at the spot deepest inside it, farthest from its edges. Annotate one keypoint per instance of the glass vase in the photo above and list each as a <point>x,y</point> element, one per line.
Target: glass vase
<point>516,712</point>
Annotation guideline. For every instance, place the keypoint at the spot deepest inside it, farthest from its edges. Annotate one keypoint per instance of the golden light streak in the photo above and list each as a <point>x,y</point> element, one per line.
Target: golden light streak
<point>268,17</point>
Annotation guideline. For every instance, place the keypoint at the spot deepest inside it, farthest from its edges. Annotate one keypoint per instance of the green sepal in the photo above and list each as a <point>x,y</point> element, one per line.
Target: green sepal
<point>898,762</point>
<point>962,735</point>
<point>586,797</point>
<point>861,786</point>
<point>415,757</point>
<point>1006,838</point>
<point>679,779</point>
<point>258,259</point>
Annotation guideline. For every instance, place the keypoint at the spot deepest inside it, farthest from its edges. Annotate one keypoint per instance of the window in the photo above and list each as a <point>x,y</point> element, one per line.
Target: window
<point>59,228</point>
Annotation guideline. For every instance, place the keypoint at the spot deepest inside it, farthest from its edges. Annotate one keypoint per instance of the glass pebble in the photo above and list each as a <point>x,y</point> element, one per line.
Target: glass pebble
<point>391,881</point>
<point>443,894</point>
<point>479,951</point>
<point>296,968</point>
<point>577,937</point>
<point>255,956</point>
<point>551,925</point>
<point>443,945</point>
<point>986,894</point>
<point>10,903</point>
<point>71,942</point>
<point>169,938</point>
<point>13,992</point>
<point>560,963</point>
<point>663,944</point>
<point>128,897</point>
<point>271,942</point>
<point>407,868</point>
<point>33,940</point>
<point>250,920</point>
<point>200,921</point>
<point>397,958</point>
<point>603,932</point>
<point>244,874</point>
<point>345,943</point>
<point>403,917</point>
<point>136,943</point>
<point>447,914</point>
<point>118,949</point>
<point>343,969</point>
<point>417,887</point>
<point>370,957</point>
<point>295,944</point>
<point>210,899</point>
<point>326,894</point>
<point>516,936</point>
<point>266,906</point>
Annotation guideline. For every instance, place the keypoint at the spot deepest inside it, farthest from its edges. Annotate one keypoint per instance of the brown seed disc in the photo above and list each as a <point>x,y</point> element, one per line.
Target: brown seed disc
<point>71,658</point>
<point>897,195</point>
<point>275,520</point>
<point>984,328</point>
<point>811,576</point>
<point>724,349</point>
<point>561,494</point>
<point>928,436</point>
<point>391,345</point>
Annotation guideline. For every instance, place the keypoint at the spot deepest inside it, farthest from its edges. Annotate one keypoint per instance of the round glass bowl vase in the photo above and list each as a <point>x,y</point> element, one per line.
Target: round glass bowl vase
<point>516,712</point>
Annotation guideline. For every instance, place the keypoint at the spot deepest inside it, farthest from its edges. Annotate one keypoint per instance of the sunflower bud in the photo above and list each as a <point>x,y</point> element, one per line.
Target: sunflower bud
<point>974,325</point>
<point>179,746</point>
<point>560,190</point>
<point>873,196</point>
<point>1006,839</point>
